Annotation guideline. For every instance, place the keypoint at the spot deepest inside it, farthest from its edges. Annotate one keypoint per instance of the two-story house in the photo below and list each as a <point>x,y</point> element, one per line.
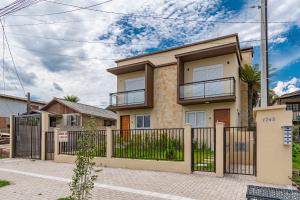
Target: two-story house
<point>197,83</point>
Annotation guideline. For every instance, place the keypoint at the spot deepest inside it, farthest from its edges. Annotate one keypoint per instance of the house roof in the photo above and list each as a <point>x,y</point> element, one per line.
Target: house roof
<point>183,46</point>
<point>290,94</point>
<point>84,109</point>
<point>22,99</point>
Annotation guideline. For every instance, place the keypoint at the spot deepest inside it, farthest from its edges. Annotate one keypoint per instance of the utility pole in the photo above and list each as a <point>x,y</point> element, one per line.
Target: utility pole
<point>264,55</point>
<point>28,103</point>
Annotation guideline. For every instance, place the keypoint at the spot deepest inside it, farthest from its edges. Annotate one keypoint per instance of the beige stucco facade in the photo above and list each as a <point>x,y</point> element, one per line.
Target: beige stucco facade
<point>166,112</point>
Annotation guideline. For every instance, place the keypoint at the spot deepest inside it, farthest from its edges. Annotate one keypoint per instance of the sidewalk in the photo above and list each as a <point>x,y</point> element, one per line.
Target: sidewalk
<point>49,180</point>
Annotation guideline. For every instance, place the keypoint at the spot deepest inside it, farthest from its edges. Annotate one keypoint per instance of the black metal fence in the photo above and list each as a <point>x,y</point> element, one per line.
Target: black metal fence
<point>151,144</point>
<point>49,151</point>
<point>203,149</point>
<point>71,147</point>
<point>240,150</point>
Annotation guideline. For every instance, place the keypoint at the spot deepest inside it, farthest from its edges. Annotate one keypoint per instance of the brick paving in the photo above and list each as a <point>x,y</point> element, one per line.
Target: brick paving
<point>114,183</point>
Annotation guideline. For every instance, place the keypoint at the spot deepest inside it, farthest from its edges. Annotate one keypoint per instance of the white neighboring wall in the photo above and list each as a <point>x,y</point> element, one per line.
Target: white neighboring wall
<point>10,107</point>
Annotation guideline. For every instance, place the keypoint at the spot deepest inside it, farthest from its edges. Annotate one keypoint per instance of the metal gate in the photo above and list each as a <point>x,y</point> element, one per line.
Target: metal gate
<point>27,136</point>
<point>49,151</point>
<point>240,150</point>
<point>203,149</point>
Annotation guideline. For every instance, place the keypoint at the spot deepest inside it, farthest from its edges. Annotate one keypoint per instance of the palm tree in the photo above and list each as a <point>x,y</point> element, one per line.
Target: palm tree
<point>251,75</point>
<point>72,98</point>
<point>272,97</point>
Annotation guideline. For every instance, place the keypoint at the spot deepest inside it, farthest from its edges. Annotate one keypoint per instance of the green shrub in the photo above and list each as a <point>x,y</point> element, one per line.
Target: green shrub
<point>4,183</point>
<point>171,154</point>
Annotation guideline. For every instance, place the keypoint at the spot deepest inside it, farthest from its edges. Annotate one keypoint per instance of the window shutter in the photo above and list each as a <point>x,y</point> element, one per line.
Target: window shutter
<point>69,120</point>
<point>77,122</point>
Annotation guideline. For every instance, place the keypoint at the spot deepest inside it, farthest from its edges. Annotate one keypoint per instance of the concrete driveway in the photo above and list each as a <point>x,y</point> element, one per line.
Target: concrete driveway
<point>49,180</point>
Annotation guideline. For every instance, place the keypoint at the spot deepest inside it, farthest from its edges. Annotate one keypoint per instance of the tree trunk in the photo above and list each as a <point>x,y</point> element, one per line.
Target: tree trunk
<point>250,105</point>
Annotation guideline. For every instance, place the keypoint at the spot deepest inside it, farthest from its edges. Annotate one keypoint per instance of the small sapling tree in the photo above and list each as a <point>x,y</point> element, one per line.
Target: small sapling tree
<point>84,173</point>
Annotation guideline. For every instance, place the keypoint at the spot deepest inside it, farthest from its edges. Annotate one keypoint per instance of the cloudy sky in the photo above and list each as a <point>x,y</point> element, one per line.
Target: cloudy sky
<point>60,49</point>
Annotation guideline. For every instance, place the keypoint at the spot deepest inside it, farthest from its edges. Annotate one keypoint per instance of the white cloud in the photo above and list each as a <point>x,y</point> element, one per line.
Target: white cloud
<point>283,87</point>
<point>87,78</point>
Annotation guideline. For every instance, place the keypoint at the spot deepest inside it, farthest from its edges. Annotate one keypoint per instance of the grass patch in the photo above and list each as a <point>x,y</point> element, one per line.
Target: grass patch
<point>66,198</point>
<point>296,156</point>
<point>4,183</point>
<point>296,163</point>
<point>204,160</point>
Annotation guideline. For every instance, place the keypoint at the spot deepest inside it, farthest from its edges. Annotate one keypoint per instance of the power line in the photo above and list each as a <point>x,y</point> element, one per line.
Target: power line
<point>96,58</point>
<point>69,40</point>
<point>16,6</point>
<point>69,11</point>
<point>144,16</point>
<point>12,58</point>
<point>44,23</point>
<point>64,55</point>
<point>110,43</point>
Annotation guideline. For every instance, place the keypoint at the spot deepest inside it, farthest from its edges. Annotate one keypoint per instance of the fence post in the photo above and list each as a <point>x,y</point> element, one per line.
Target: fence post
<point>56,143</point>
<point>11,136</point>
<point>45,126</point>
<point>274,157</point>
<point>109,142</point>
<point>188,147</point>
<point>219,149</point>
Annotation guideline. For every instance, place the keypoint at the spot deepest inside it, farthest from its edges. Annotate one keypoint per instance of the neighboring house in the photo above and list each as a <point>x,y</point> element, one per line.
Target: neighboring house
<point>12,105</point>
<point>197,83</point>
<point>292,101</point>
<point>63,113</point>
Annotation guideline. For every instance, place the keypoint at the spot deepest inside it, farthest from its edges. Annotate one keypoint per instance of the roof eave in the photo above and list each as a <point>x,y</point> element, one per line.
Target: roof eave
<point>179,47</point>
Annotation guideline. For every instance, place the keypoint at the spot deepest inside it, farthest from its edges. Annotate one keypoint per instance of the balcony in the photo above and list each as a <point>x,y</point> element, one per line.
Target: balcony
<point>128,100</point>
<point>133,99</point>
<point>217,90</point>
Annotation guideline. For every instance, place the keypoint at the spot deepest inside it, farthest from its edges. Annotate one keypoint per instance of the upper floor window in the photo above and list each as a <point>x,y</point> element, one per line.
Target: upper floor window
<point>293,106</point>
<point>136,85</point>
<point>195,118</point>
<point>208,73</point>
<point>142,121</point>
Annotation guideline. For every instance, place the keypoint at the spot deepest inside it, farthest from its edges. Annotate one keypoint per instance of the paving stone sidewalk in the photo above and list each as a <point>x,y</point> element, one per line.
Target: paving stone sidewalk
<point>46,180</point>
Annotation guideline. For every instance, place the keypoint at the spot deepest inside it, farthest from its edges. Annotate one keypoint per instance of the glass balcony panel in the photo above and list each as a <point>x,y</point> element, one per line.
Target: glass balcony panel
<point>209,88</point>
<point>128,98</point>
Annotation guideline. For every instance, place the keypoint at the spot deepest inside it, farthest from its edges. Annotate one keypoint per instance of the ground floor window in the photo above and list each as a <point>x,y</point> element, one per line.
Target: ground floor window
<point>195,118</point>
<point>73,120</point>
<point>109,123</point>
<point>142,121</point>
<point>53,121</point>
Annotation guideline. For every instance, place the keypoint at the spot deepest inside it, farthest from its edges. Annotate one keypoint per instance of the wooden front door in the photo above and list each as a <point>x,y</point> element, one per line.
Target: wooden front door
<point>125,125</point>
<point>222,115</point>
